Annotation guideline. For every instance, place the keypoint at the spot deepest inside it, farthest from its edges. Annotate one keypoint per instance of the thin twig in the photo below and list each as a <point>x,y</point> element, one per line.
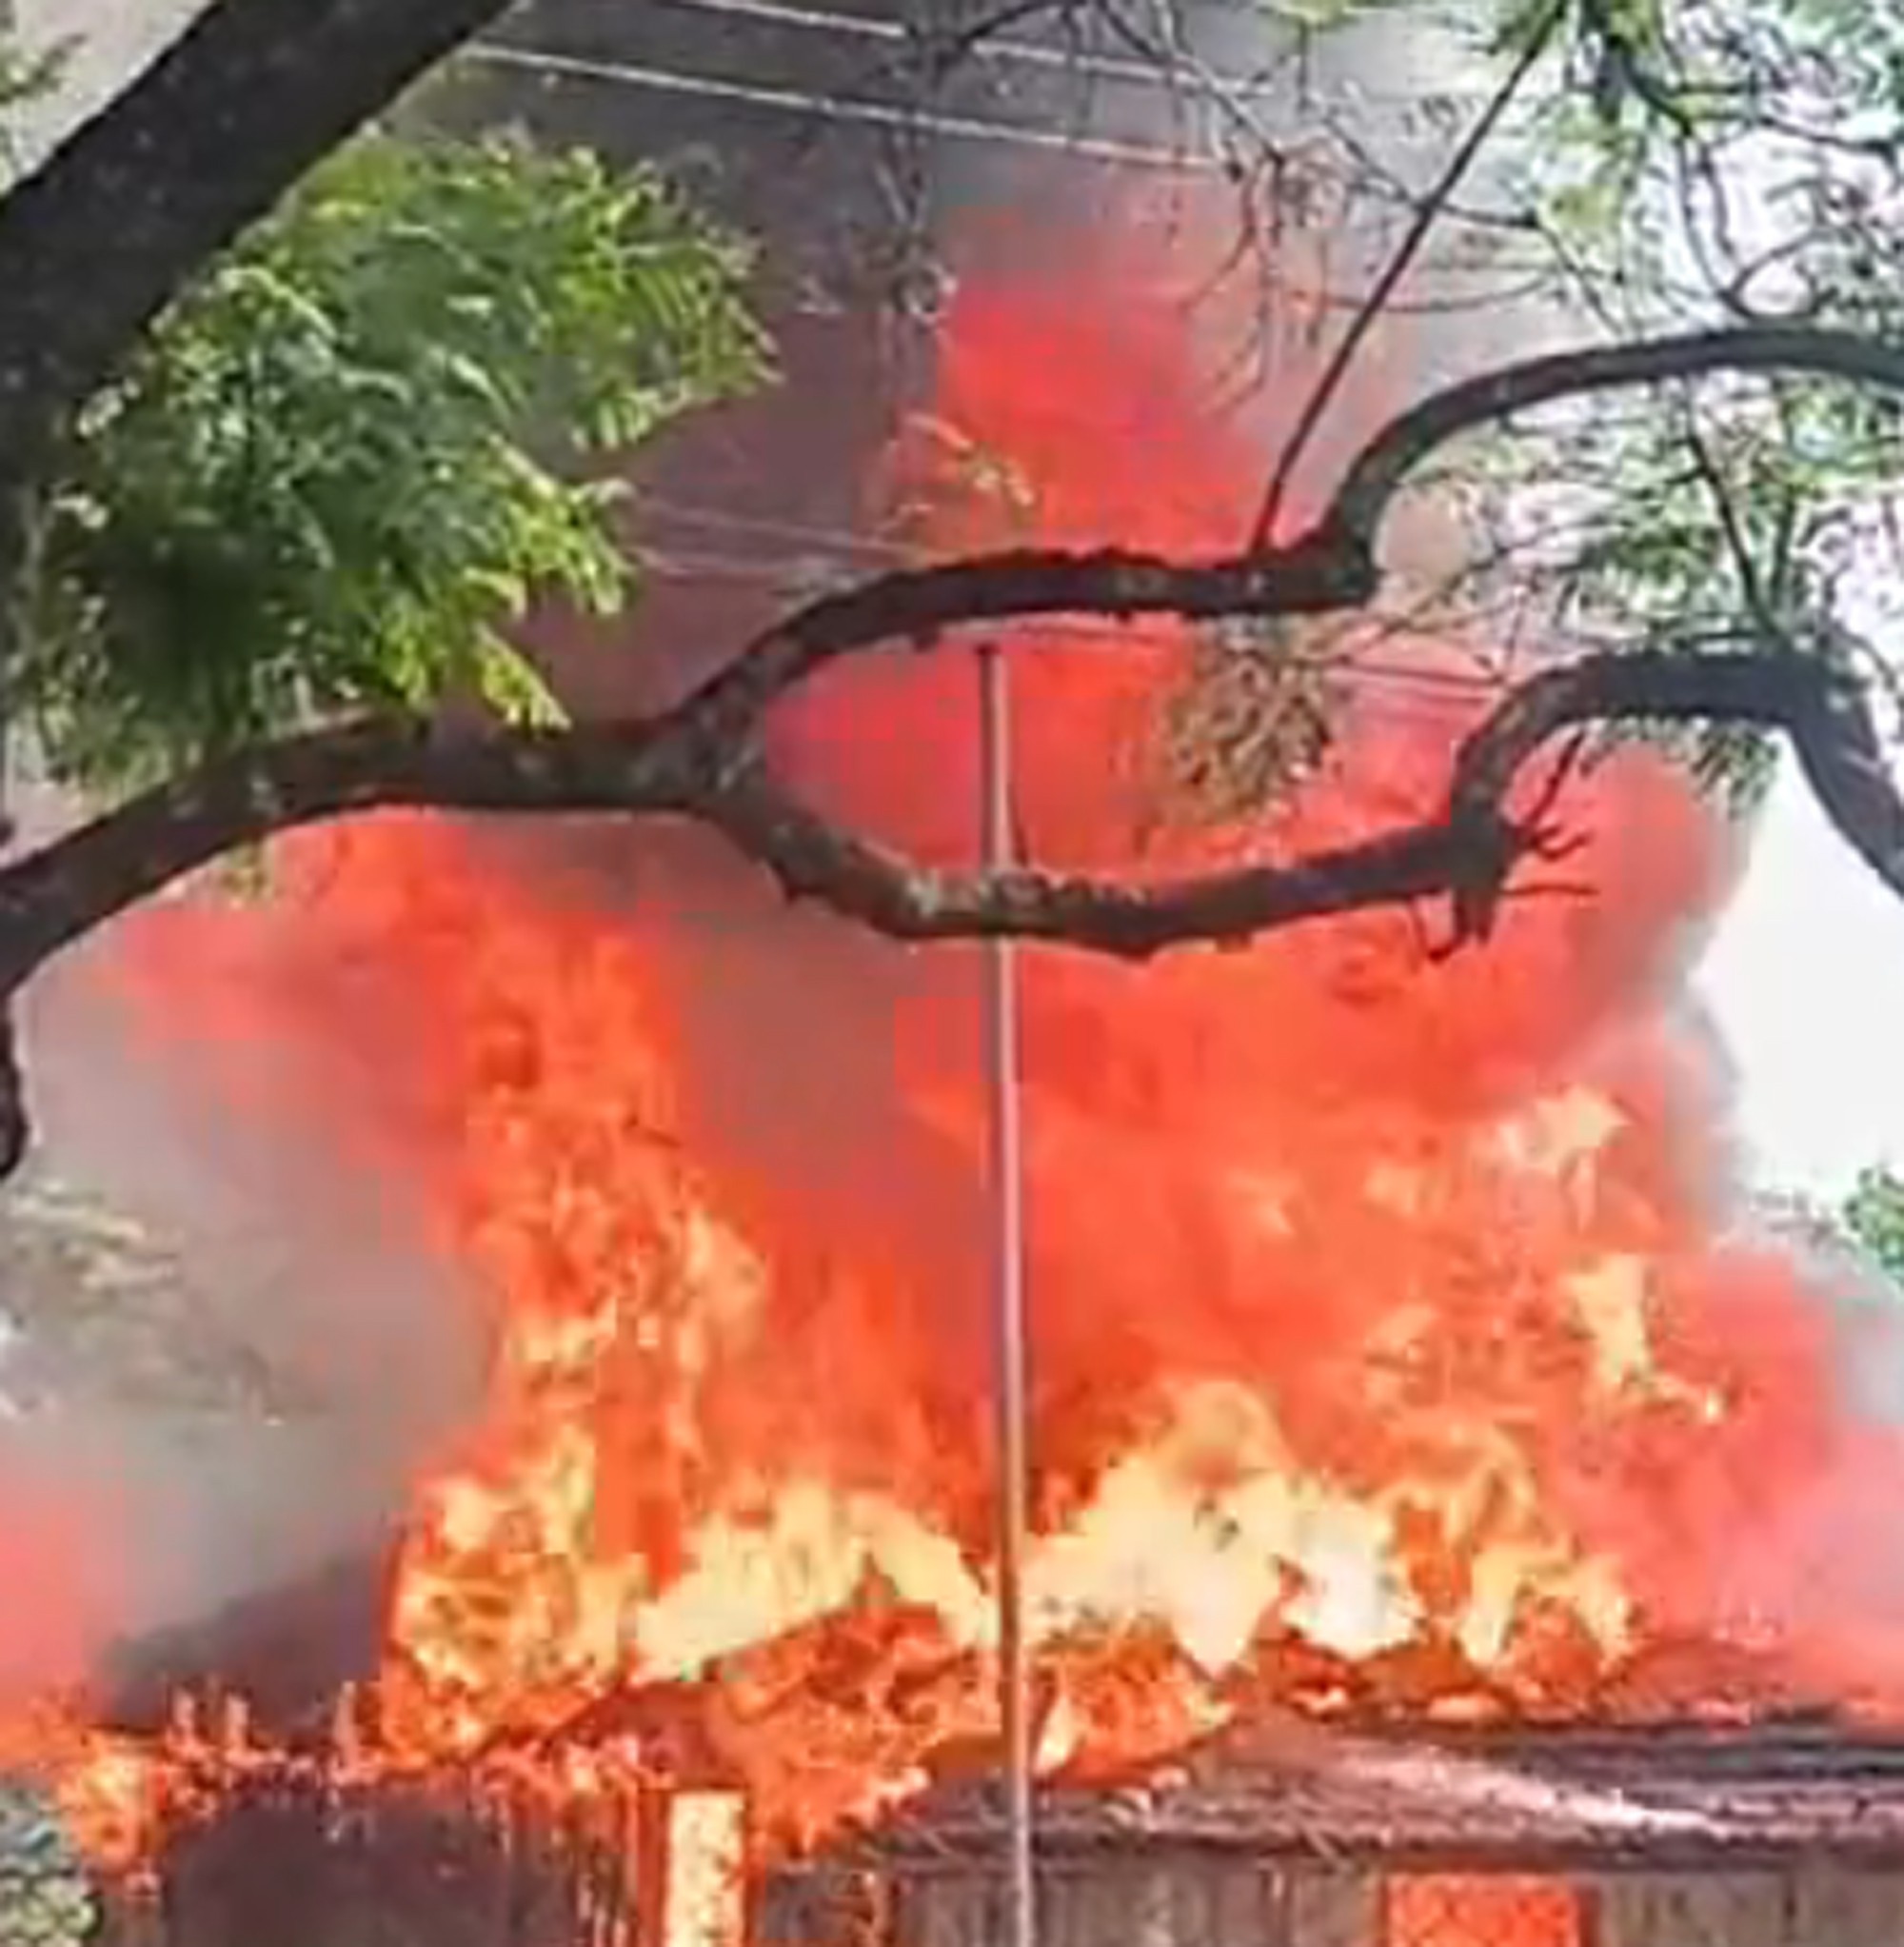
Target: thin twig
<point>1739,545</point>
<point>1421,225</point>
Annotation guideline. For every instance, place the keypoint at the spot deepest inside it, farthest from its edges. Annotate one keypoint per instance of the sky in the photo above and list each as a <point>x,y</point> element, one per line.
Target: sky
<point>1805,976</point>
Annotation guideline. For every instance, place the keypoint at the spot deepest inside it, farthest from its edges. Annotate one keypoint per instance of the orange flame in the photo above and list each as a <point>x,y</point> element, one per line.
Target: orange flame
<point>1389,1354</point>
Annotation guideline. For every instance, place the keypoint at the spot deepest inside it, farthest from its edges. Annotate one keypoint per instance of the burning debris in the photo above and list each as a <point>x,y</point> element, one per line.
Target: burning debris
<point>1393,1362</point>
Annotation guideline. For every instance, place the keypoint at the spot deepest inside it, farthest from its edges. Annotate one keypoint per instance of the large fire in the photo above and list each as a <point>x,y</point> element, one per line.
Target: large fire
<point>1389,1357</point>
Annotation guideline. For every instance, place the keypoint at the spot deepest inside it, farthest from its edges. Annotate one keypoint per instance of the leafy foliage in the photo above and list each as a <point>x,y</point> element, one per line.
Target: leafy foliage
<point>1688,163</point>
<point>1873,1214</point>
<point>28,78</point>
<point>44,1898</point>
<point>351,457</point>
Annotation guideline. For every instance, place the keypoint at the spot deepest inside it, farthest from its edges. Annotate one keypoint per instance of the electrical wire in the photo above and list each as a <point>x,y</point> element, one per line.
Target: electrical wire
<point>1002,51</point>
<point>1207,160</point>
<point>835,108</point>
<point>996,50</point>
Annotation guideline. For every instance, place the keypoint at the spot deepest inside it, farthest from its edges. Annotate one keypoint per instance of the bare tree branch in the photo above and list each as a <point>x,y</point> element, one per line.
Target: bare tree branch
<point>1321,573</point>
<point>701,758</point>
<point>1382,466</point>
<point>811,859</point>
<point>1823,710</point>
<point>705,751</point>
<point>57,893</point>
<point>1375,304</point>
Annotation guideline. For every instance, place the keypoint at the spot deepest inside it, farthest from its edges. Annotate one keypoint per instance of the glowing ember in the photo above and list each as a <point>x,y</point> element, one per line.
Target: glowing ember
<point>1386,1356</point>
<point>1453,1910</point>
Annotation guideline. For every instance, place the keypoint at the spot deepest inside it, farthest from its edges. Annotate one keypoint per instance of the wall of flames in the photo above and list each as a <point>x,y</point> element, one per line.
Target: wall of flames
<point>1392,1350</point>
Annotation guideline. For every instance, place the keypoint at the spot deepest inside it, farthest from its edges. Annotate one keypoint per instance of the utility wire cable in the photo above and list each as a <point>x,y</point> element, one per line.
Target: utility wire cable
<point>953,127</point>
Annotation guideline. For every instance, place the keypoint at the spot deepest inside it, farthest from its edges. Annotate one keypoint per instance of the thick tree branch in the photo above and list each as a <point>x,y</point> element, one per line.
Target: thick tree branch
<point>55,895</point>
<point>1322,573</point>
<point>122,215</point>
<point>60,892</point>
<point>811,859</point>
<point>703,759</point>
<point>1330,569</point>
<point>1822,710</point>
<point>1384,464</point>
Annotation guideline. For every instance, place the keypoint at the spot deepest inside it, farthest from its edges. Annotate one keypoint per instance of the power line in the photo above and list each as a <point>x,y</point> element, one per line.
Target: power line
<point>897,34</point>
<point>1201,160</point>
<point>834,109</point>
<point>799,532</point>
<point>1195,78</point>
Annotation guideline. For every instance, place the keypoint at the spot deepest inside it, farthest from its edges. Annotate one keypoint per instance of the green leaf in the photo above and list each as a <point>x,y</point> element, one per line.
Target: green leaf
<point>512,686</point>
<point>1873,1214</point>
<point>360,451</point>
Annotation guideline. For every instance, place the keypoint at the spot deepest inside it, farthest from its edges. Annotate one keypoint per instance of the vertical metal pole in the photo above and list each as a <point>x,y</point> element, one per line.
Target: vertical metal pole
<point>1007,1188</point>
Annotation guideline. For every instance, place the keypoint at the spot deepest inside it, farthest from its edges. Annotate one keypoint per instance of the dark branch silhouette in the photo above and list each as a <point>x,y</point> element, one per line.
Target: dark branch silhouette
<point>702,759</point>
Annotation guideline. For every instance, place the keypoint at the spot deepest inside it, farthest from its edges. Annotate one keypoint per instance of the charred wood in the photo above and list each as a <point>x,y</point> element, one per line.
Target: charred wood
<point>287,1651</point>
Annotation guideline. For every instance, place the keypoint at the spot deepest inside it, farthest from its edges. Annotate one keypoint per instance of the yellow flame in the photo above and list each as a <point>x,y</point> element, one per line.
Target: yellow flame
<point>705,1900</point>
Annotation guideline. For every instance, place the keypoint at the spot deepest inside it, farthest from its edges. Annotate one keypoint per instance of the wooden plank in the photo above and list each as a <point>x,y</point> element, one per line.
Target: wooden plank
<point>1710,1909</point>
<point>1249,1907</point>
<point>815,1907</point>
<point>1814,1906</point>
<point>1185,1902</point>
<point>284,1872</point>
<point>1833,1908</point>
<point>1333,1909</point>
<point>951,1910</point>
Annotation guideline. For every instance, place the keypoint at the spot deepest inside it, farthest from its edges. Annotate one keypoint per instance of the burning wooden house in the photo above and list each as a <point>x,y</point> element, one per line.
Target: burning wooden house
<point>1392,1363</point>
<point>1706,1826</point>
<point>1634,1838</point>
<point>1786,1834</point>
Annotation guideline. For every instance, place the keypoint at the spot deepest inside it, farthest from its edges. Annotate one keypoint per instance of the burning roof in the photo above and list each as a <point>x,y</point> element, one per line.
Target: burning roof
<point>1662,1798</point>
